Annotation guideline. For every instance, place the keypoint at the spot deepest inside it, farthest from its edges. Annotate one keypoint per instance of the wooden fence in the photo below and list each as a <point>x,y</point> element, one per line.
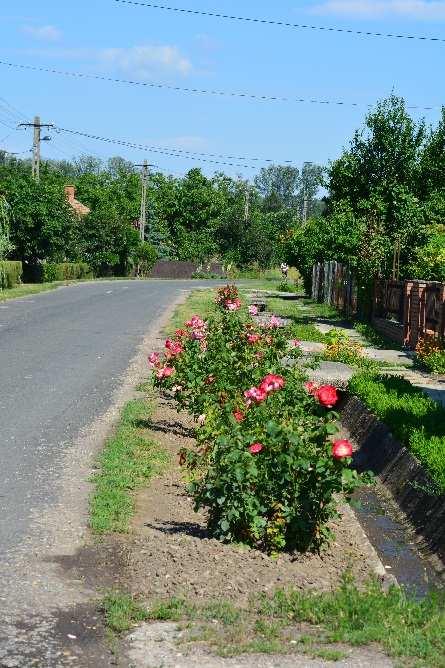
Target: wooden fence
<point>333,283</point>
<point>404,311</point>
<point>177,269</point>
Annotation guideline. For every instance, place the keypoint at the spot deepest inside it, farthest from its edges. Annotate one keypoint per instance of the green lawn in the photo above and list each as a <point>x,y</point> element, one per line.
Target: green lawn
<point>128,459</point>
<point>28,289</point>
<point>416,421</point>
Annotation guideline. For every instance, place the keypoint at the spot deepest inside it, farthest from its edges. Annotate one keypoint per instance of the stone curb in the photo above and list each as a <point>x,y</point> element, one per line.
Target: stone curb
<point>401,474</point>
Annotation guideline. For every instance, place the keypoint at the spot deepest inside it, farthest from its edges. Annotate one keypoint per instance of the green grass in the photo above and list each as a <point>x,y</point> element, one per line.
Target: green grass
<point>302,328</point>
<point>121,611</point>
<point>405,628</point>
<point>129,459</point>
<point>28,289</point>
<point>199,302</point>
<point>416,421</point>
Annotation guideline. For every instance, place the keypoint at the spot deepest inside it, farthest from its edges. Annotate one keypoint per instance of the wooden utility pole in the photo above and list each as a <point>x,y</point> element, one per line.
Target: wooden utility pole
<point>37,125</point>
<point>144,184</point>
<point>246,204</point>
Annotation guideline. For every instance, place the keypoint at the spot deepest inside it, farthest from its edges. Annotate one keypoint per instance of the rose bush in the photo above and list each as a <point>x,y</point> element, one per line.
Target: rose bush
<point>265,467</point>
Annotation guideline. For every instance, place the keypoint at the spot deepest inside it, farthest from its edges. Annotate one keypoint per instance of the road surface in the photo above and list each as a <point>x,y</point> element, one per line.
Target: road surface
<point>63,355</point>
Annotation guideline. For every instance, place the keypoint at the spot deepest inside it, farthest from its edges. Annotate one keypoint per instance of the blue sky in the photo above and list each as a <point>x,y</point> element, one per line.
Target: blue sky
<point>116,40</point>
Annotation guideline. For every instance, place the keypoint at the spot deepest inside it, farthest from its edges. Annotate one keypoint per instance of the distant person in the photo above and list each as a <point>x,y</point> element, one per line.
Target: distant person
<point>284,269</point>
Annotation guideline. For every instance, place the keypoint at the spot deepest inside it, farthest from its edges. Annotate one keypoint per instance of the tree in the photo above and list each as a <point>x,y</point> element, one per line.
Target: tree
<point>43,224</point>
<point>383,155</point>
<point>278,185</point>
<point>310,182</point>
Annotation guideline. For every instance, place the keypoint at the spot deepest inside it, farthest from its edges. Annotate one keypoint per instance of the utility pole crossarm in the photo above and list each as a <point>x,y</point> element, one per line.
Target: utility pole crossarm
<point>37,125</point>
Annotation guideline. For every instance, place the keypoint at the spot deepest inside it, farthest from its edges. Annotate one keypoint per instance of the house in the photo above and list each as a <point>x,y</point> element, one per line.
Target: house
<point>80,209</point>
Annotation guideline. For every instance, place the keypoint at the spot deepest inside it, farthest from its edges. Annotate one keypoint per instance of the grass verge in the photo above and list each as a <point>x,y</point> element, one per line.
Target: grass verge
<point>304,622</point>
<point>129,459</point>
<point>29,289</point>
<point>416,421</point>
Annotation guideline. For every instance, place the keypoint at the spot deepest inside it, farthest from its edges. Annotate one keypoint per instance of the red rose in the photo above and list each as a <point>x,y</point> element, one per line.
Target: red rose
<point>255,448</point>
<point>327,396</point>
<point>342,449</point>
<point>239,416</point>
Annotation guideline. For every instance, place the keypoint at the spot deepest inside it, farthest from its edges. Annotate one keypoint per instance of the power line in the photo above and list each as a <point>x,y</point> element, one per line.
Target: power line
<point>13,111</point>
<point>205,154</point>
<point>202,91</point>
<point>282,24</point>
<point>6,125</point>
<point>152,149</point>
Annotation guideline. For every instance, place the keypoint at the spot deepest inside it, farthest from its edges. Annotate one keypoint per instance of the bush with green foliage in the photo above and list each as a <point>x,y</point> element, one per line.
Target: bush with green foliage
<point>64,271</point>
<point>430,352</point>
<point>144,258</point>
<point>265,468</point>
<point>416,421</point>
<point>10,273</point>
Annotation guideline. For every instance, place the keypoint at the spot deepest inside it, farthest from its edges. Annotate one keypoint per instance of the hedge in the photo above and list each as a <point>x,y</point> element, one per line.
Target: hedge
<point>10,274</point>
<point>415,420</point>
<point>64,271</point>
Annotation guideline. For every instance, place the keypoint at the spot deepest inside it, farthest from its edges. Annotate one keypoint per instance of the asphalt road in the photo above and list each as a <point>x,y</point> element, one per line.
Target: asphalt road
<point>62,354</point>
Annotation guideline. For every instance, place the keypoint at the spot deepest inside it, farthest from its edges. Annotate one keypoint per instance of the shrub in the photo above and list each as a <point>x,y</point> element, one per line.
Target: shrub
<point>264,467</point>
<point>431,354</point>
<point>10,274</point>
<point>64,271</point>
<point>145,257</point>
<point>416,421</point>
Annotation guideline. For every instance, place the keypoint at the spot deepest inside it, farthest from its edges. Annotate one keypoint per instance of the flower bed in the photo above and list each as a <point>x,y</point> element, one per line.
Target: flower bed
<point>267,467</point>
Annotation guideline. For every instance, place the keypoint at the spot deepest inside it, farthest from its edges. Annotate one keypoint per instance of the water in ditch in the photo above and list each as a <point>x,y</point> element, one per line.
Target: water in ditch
<point>394,543</point>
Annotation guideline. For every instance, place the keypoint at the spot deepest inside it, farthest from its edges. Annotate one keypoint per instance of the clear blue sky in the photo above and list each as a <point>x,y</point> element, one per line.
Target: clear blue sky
<point>107,38</point>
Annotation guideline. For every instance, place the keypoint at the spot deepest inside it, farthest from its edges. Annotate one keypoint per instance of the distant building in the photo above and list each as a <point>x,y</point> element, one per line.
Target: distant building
<point>80,209</point>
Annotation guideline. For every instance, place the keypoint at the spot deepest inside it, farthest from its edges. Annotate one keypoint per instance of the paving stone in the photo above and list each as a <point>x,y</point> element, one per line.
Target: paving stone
<point>311,347</point>
<point>264,318</point>
<point>332,373</point>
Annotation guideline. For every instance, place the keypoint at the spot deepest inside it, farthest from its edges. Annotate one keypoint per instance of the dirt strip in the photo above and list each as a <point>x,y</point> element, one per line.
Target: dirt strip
<point>170,552</point>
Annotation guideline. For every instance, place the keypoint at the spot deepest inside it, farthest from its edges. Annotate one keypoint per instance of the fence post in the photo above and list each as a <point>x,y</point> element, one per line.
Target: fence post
<point>407,286</point>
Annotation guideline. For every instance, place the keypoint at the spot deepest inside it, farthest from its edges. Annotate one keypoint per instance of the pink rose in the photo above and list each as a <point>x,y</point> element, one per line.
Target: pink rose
<point>255,448</point>
<point>165,372</point>
<point>197,335</point>
<point>174,347</point>
<point>342,449</point>
<point>253,310</point>
<point>153,359</point>
<point>295,343</point>
<point>311,388</point>
<point>232,304</point>
<point>195,322</point>
<point>271,383</point>
<point>257,394</point>
<point>253,338</point>
<point>327,396</point>
<point>274,322</point>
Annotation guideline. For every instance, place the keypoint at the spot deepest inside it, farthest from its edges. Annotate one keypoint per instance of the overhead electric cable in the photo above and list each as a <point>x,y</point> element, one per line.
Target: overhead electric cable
<point>206,154</point>
<point>152,149</point>
<point>203,91</point>
<point>282,24</point>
